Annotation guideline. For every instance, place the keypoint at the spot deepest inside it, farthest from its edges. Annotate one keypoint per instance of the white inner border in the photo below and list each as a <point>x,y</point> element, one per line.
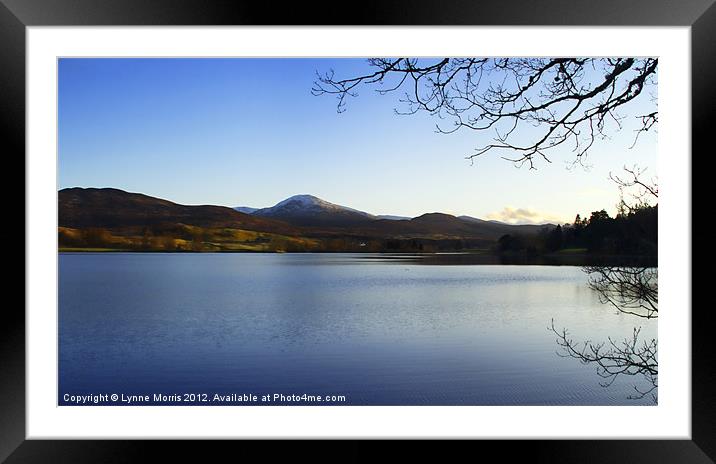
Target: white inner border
<point>670,419</point>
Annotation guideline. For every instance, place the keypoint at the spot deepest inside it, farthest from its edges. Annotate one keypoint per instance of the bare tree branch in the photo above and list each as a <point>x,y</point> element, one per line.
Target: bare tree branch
<point>630,290</point>
<point>642,191</point>
<point>629,357</point>
<point>543,102</point>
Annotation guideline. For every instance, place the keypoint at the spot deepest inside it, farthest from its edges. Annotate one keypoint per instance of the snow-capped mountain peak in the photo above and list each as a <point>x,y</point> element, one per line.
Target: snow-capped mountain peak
<point>307,203</point>
<point>310,210</point>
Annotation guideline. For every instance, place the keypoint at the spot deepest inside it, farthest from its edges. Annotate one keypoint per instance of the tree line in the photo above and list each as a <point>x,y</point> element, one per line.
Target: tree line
<point>632,231</point>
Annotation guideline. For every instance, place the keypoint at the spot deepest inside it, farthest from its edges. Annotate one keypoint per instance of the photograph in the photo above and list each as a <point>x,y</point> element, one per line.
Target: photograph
<point>363,231</point>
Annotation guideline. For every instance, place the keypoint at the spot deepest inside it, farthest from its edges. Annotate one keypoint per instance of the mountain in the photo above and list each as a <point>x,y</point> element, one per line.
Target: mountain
<point>474,219</point>
<point>113,208</point>
<point>311,211</point>
<point>107,218</point>
<point>393,218</point>
<point>497,225</point>
<point>244,209</point>
<point>446,226</point>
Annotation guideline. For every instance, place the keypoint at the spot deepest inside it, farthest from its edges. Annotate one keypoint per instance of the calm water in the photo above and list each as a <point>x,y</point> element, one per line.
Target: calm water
<point>379,331</point>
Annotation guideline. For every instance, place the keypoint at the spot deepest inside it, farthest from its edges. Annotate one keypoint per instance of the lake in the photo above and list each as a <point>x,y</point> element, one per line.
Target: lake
<point>375,329</point>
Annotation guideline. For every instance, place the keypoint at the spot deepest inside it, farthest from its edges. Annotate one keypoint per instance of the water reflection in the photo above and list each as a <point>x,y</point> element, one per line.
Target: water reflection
<point>381,329</point>
<point>632,291</point>
<point>458,258</point>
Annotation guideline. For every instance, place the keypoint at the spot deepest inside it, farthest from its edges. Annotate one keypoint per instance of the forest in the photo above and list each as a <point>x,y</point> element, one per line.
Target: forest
<point>632,232</point>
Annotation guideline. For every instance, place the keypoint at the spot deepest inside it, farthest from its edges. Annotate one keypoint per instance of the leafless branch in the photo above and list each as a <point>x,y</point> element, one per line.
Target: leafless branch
<point>630,290</point>
<point>630,357</point>
<point>543,102</point>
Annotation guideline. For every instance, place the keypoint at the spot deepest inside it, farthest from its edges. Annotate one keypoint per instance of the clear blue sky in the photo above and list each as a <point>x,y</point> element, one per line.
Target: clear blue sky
<point>248,132</point>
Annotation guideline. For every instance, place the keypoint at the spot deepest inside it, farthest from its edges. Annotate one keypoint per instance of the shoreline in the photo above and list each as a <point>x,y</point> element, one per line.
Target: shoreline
<point>439,258</point>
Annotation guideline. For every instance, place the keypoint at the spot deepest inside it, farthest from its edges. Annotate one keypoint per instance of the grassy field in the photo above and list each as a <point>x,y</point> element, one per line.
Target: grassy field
<point>89,250</point>
<point>186,238</point>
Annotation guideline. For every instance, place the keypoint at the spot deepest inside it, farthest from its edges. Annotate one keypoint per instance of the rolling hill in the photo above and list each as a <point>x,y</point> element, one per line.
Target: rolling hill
<point>113,218</point>
<point>113,208</point>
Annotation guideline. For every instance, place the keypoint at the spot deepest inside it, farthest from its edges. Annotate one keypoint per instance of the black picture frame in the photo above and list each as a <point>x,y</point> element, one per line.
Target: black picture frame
<point>16,15</point>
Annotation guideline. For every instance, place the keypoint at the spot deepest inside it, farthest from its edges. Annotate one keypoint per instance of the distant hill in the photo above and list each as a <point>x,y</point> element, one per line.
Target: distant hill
<point>393,218</point>
<point>311,211</point>
<point>113,208</point>
<point>95,218</point>
<point>245,209</point>
<point>524,228</point>
<point>446,225</point>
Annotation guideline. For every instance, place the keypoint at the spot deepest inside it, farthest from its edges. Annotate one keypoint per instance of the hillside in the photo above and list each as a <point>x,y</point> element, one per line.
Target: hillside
<point>113,208</point>
<point>107,218</point>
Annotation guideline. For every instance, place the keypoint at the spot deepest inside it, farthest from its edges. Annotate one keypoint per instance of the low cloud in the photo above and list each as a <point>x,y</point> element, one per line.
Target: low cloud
<point>523,216</point>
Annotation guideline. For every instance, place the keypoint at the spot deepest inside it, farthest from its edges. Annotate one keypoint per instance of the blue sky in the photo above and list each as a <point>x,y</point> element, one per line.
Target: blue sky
<point>248,132</point>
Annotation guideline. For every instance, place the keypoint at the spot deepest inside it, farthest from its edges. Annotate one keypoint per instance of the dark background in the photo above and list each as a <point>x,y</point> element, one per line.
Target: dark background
<point>15,15</point>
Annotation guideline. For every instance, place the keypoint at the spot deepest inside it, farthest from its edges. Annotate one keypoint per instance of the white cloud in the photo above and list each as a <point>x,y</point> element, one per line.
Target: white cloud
<point>512,215</point>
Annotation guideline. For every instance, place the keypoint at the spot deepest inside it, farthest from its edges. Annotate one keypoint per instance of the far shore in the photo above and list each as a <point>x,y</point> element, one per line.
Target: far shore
<point>474,257</point>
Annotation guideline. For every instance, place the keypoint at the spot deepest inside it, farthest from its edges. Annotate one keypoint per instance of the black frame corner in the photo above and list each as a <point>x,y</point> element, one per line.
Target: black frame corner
<point>700,15</point>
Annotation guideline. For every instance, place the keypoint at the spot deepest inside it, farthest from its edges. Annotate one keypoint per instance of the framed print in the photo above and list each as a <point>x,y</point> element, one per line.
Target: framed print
<point>399,223</point>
